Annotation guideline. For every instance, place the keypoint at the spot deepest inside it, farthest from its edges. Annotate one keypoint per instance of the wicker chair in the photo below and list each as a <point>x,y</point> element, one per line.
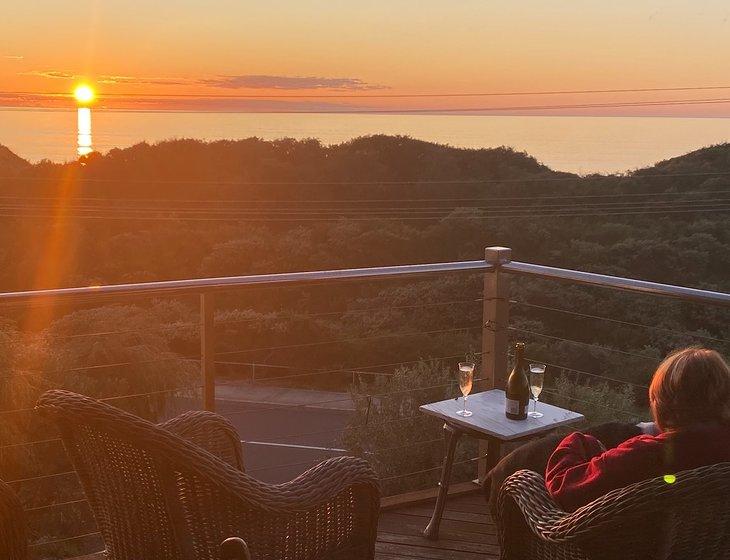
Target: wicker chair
<point>653,519</point>
<point>13,539</point>
<point>156,496</point>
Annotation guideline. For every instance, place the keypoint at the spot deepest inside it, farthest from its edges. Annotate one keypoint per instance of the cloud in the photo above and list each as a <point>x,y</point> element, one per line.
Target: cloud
<point>256,81</point>
<point>250,81</point>
<point>14,56</point>
<point>106,79</point>
<point>138,80</point>
<point>54,74</point>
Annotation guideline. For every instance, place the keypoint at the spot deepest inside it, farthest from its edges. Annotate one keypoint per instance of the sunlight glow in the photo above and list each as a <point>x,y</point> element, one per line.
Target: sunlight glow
<point>84,94</point>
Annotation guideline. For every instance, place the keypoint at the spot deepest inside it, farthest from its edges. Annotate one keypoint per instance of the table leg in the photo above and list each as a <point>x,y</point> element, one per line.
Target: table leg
<point>451,437</point>
<point>494,453</point>
<point>490,452</point>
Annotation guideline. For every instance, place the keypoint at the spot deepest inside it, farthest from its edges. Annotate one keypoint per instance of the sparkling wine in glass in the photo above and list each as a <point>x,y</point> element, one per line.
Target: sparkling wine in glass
<point>466,380</point>
<point>537,378</point>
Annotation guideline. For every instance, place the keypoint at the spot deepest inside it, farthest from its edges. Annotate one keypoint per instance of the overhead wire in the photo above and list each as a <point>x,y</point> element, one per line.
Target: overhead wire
<point>375,95</point>
<point>370,182</point>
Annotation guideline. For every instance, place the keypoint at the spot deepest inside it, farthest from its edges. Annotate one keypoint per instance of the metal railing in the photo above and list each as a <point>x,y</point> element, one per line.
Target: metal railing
<point>497,299</point>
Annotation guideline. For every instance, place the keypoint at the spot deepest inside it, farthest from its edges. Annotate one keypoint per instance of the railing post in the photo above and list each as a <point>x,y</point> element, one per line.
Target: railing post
<point>495,342</point>
<point>496,318</point>
<point>207,349</point>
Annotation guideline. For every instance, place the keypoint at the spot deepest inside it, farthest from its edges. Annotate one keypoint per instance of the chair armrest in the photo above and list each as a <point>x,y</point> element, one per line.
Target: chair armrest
<point>526,491</point>
<point>327,479</point>
<point>333,508</point>
<point>212,432</point>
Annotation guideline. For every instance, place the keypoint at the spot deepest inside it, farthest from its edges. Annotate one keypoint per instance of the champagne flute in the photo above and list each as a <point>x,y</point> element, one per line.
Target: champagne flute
<point>466,379</point>
<point>537,378</point>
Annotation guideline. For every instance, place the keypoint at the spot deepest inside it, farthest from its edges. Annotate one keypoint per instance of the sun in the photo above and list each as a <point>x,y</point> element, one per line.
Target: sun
<point>84,94</point>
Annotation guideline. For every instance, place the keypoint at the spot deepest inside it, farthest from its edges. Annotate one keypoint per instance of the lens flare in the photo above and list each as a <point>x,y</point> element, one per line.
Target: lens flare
<point>84,94</point>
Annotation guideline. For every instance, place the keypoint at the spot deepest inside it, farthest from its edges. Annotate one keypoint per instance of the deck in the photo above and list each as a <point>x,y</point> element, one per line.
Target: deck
<point>467,531</point>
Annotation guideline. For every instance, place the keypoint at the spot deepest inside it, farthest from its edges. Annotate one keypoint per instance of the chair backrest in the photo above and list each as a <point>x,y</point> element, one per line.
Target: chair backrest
<point>143,482</point>
<point>680,516</point>
<point>13,537</point>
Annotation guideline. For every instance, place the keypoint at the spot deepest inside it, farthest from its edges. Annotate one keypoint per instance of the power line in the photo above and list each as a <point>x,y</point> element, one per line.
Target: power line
<point>500,109</point>
<point>58,219</point>
<point>375,210</point>
<point>383,182</point>
<point>344,95</point>
<point>662,103</point>
<point>217,203</point>
<point>490,109</point>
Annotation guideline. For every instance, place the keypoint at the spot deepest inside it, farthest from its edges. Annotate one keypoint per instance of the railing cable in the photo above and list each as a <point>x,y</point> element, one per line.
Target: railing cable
<point>617,321</point>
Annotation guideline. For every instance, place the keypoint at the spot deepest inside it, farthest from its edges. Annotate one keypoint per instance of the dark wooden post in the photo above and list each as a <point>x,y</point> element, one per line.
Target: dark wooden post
<point>207,349</point>
<point>495,343</point>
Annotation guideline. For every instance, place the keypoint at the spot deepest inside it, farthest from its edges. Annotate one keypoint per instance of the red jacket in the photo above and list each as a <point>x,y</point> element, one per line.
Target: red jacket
<point>581,470</point>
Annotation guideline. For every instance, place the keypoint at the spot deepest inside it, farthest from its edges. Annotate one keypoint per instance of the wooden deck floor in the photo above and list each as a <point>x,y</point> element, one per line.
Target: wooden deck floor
<point>467,531</point>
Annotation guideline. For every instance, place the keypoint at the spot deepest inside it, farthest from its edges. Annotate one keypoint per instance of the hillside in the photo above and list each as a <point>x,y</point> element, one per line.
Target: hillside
<point>11,164</point>
<point>185,209</point>
<point>203,169</point>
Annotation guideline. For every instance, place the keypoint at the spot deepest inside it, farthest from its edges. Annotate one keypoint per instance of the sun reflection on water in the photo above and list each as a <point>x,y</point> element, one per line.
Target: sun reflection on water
<point>84,132</point>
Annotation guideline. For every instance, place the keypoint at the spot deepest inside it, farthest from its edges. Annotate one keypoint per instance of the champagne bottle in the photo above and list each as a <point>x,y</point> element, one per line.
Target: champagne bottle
<point>518,387</point>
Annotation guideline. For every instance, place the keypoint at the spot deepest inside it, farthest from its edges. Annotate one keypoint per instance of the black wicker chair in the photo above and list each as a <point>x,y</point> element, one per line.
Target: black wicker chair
<point>13,538</point>
<point>686,519</point>
<point>157,496</point>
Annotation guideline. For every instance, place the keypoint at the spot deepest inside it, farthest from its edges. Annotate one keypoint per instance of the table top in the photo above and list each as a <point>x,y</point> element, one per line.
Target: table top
<point>489,418</point>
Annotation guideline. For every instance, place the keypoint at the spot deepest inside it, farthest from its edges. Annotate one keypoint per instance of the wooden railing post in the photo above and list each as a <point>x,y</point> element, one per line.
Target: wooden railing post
<point>495,342</point>
<point>207,349</point>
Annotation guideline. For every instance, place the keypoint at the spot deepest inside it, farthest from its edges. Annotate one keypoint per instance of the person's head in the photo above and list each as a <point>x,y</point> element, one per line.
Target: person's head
<point>690,386</point>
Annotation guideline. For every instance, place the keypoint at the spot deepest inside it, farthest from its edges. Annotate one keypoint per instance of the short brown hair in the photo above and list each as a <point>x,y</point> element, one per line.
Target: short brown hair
<point>691,385</point>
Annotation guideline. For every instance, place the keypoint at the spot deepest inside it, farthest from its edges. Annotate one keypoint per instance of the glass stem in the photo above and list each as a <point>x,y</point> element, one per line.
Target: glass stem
<point>464,403</point>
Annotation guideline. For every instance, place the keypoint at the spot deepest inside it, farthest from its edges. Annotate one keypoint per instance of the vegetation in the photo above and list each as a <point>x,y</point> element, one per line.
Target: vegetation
<point>163,212</point>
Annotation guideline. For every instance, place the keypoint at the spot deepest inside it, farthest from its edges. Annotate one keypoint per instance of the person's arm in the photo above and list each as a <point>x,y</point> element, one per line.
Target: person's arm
<point>649,428</point>
<point>580,469</point>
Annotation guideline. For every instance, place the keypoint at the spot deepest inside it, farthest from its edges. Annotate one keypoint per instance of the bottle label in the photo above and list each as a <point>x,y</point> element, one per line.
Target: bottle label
<point>513,407</point>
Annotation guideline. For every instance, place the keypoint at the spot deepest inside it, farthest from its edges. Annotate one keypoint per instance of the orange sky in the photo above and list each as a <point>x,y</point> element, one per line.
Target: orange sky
<point>237,47</point>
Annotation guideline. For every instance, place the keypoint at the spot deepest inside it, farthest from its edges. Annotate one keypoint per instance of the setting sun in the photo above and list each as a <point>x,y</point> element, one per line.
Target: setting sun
<point>84,94</point>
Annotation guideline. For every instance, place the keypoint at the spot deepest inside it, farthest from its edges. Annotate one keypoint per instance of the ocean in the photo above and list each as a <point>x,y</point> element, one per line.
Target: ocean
<point>577,144</point>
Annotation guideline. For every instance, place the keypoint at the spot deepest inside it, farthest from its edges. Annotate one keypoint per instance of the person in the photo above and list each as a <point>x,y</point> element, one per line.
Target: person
<point>689,398</point>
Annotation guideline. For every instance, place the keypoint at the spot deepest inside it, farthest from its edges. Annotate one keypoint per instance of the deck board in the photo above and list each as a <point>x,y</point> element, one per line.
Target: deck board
<point>467,531</point>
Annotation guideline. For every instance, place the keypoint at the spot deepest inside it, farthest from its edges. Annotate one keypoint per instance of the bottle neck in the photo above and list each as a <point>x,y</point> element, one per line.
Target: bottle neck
<point>519,356</point>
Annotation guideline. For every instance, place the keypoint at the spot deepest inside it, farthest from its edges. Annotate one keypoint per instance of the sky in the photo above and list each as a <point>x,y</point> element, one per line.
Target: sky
<point>190,53</point>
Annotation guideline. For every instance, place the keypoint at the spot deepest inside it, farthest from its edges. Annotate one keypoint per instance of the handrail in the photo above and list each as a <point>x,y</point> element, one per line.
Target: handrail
<point>199,285</point>
<point>618,283</point>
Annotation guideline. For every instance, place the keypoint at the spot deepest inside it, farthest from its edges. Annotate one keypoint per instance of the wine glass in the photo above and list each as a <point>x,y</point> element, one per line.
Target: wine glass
<point>466,379</point>
<point>537,378</point>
